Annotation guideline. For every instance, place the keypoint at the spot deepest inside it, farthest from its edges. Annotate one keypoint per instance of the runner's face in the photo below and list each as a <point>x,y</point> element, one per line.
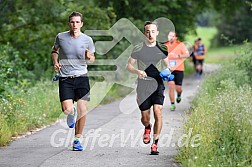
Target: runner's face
<point>151,32</point>
<point>172,36</point>
<point>75,24</point>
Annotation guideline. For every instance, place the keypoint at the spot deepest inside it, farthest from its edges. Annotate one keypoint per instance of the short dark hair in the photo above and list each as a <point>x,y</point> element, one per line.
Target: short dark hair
<point>150,22</point>
<point>73,14</point>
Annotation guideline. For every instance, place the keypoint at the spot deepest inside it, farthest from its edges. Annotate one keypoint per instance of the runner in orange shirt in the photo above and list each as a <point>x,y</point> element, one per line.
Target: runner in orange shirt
<point>177,52</point>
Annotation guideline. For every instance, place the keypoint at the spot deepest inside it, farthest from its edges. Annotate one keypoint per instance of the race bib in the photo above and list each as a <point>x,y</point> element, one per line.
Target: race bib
<point>172,63</point>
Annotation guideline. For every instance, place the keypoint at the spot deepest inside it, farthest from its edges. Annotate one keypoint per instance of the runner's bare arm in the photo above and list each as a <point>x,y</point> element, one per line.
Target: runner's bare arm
<point>166,62</point>
<point>132,69</point>
<point>55,55</point>
<point>184,51</point>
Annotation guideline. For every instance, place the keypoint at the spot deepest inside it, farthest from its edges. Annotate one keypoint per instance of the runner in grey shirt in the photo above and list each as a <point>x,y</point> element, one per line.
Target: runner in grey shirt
<point>70,53</point>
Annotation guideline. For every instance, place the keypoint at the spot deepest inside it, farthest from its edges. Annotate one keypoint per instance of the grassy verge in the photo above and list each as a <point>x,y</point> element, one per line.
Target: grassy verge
<point>25,111</point>
<point>40,106</point>
<point>221,114</point>
<point>222,55</point>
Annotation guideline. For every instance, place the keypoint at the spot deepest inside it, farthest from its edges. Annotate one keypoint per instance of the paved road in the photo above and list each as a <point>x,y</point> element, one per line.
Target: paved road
<point>112,137</point>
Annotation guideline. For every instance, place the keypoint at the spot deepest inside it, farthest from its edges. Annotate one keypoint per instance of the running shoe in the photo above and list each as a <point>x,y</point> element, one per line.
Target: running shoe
<point>198,76</point>
<point>154,150</point>
<point>146,136</point>
<point>178,99</point>
<point>77,146</point>
<point>172,107</point>
<point>71,119</point>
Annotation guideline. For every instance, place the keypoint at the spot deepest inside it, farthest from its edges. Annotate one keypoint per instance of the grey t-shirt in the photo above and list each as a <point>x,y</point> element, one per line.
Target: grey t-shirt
<point>72,53</point>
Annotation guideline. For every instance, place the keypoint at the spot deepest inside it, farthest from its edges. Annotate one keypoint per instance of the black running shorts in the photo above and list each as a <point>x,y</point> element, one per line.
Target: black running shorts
<point>74,88</point>
<point>178,77</point>
<point>147,96</point>
<point>199,62</point>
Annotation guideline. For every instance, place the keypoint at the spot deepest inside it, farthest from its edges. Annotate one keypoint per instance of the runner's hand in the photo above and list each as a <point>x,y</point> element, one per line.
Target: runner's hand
<point>174,55</point>
<point>57,67</point>
<point>89,56</point>
<point>141,74</point>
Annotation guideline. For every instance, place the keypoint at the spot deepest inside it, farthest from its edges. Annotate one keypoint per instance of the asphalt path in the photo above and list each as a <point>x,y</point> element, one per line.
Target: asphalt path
<point>112,137</point>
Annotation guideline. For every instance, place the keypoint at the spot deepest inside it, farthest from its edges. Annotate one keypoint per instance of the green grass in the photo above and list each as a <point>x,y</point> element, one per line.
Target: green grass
<point>222,55</point>
<point>41,106</point>
<point>224,125</point>
<point>189,69</point>
<point>218,55</point>
<point>205,33</point>
<point>28,110</point>
<point>221,115</point>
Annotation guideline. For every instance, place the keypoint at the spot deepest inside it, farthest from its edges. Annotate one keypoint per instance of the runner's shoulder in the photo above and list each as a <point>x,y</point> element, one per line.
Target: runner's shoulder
<point>137,47</point>
<point>162,47</point>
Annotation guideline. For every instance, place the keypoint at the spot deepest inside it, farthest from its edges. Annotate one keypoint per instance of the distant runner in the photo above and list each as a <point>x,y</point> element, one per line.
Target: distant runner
<point>199,52</point>
<point>177,52</point>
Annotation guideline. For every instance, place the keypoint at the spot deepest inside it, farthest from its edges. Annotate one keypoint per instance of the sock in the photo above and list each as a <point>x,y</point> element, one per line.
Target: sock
<point>148,127</point>
<point>155,141</point>
<point>172,103</point>
<point>179,95</point>
<point>76,138</point>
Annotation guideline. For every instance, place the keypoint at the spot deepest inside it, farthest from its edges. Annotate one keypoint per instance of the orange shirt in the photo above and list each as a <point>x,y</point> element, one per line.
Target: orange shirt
<point>175,49</point>
<point>199,51</point>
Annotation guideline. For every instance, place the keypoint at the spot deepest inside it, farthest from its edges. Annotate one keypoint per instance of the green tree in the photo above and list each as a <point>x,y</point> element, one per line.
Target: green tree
<point>13,74</point>
<point>184,14</point>
<point>180,12</point>
<point>31,26</point>
<point>236,29</point>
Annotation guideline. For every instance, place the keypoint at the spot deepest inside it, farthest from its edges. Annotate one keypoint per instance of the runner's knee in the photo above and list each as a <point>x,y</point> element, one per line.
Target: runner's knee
<point>179,89</point>
<point>158,112</point>
<point>67,110</point>
<point>171,84</point>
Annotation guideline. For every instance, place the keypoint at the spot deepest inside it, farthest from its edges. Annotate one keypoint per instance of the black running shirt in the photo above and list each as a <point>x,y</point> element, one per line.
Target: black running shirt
<point>149,59</point>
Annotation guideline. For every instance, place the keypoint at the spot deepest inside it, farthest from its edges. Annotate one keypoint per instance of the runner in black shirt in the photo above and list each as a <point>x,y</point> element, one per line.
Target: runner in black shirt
<point>150,88</point>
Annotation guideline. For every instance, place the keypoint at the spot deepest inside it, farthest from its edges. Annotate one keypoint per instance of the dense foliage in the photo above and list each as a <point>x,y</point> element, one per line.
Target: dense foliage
<point>31,27</point>
<point>236,29</point>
